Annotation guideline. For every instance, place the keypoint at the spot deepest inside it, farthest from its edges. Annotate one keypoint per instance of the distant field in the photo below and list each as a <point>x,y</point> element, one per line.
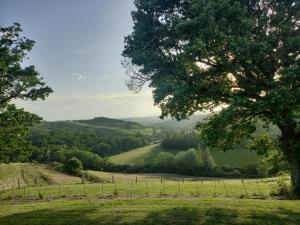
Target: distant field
<point>146,155</point>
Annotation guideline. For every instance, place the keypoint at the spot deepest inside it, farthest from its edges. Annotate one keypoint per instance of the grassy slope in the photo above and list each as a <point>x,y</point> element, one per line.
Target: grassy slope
<point>146,211</point>
<point>146,155</point>
<point>151,211</point>
<point>27,173</point>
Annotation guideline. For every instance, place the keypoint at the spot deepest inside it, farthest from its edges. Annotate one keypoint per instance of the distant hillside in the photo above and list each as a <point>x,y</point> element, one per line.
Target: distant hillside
<point>102,136</point>
<point>109,122</point>
<point>167,123</point>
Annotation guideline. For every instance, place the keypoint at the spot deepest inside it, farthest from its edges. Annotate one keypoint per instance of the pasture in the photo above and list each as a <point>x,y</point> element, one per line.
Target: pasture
<point>237,158</point>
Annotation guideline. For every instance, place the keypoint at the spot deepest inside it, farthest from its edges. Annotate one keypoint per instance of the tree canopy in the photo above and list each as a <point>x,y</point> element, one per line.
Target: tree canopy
<point>241,56</point>
<point>17,82</point>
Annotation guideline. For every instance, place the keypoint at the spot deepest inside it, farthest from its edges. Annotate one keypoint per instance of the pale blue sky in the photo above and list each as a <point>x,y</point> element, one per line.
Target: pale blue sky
<point>78,52</point>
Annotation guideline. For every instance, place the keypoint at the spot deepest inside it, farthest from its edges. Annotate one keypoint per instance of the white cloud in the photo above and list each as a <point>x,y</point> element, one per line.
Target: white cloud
<point>78,76</point>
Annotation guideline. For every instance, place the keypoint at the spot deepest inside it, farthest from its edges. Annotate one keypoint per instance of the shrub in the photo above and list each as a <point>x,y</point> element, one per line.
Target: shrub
<point>188,160</point>
<point>91,177</point>
<point>282,189</point>
<point>74,166</point>
<point>165,161</point>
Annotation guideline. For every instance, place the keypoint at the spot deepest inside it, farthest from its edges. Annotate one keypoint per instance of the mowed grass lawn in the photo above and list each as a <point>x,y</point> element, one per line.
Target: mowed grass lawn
<point>148,211</point>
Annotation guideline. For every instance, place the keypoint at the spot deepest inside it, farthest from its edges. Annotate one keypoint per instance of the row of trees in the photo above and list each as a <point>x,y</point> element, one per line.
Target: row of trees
<point>188,162</point>
<point>180,141</point>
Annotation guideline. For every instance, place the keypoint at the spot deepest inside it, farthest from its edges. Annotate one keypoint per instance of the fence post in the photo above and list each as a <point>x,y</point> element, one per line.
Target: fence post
<point>131,189</point>
<point>59,187</point>
<point>136,180</point>
<point>19,186</point>
<point>24,193</point>
<point>84,190</point>
<point>146,188</point>
<point>197,190</point>
<point>113,179</point>
<point>12,192</point>
<point>244,187</point>
<point>215,188</point>
<point>225,188</point>
<point>179,191</point>
<point>182,179</point>
<point>258,188</point>
<point>164,187</point>
<point>101,189</point>
<point>37,187</point>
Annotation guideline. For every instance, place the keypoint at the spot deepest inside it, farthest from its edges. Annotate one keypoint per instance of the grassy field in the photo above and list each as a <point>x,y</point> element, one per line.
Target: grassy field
<point>58,185</point>
<point>26,174</point>
<point>146,155</point>
<point>138,199</point>
<point>150,211</point>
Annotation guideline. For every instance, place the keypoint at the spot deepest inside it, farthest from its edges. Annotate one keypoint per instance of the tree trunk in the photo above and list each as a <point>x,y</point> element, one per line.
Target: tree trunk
<point>295,175</point>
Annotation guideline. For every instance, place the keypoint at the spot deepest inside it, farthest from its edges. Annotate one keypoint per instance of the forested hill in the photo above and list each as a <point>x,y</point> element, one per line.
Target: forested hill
<point>109,122</point>
<point>101,136</point>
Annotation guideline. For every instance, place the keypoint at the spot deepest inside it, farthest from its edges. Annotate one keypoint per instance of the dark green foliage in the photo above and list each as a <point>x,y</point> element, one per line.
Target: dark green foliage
<point>185,162</point>
<point>74,166</point>
<point>180,141</point>
<point>242,56</point>
<point>14,126</point>
<point>101,140</point>
<point>17,82</point>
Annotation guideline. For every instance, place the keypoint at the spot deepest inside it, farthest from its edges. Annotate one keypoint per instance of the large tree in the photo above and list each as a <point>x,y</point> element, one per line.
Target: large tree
<point>241,56</point>
<point>17,82</point>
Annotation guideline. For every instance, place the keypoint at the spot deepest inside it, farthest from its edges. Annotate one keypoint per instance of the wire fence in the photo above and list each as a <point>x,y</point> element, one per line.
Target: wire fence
<point>178,188</point>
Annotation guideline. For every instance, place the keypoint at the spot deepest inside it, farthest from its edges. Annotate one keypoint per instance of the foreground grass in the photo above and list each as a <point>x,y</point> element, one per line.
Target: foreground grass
<point>151,211</point>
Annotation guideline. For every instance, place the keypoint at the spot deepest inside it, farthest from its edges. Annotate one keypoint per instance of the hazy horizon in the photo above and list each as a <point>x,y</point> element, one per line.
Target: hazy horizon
<point>78,52</point>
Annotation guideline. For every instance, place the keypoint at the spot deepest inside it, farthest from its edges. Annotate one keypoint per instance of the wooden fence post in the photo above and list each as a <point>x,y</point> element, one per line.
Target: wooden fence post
<point>12,192</point>
<point>244,187</point>
<point>215,188</point>
<point>258,188</point>
<point>24,193</point>
<point>59,188</point>
<point>225,188</point>
<point>146,188</point>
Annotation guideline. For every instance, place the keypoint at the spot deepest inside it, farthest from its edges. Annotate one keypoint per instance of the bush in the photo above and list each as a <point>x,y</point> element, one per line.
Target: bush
<point>282,189</point>
<point>91,177</point>
<point>165,161</point>
<point>74,166</point>
<point>188,160</point>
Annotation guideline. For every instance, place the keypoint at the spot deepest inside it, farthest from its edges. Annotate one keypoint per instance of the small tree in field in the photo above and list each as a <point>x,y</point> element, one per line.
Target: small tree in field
<point>242,56</point>
<point>74,166</point>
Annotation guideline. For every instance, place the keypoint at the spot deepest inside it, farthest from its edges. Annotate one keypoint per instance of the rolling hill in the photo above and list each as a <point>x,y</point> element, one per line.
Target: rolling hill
<point>25,174</point>
<point>238,158</point>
